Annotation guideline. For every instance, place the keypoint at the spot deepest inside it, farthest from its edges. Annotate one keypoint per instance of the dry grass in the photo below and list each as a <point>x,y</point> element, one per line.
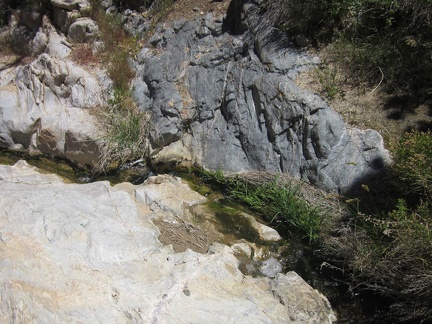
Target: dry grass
<point>83,54</point>
<point>361,105</point>
<point>182,236</point>
<point>125,135</point>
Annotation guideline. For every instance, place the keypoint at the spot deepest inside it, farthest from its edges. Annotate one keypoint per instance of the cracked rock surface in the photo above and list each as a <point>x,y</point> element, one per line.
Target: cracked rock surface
<point>90,253</point>
<point>45,107</point>
<point>230,102</point>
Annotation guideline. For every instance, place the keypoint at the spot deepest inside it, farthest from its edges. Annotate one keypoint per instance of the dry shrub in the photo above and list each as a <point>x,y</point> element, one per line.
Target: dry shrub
<point>83,54</point>
<point>391,256</point>
<point>391,253</point>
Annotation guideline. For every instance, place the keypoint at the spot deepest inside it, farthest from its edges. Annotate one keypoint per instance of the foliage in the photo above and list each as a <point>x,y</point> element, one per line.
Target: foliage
<point>4,13</point>
<point>125,127</point>
<point>386,42</point>
<point>413,163</point>
<point>393,257</point>
<point>327,79</point>
<point>279,203</point>
<point>391,252</point>
<point>125,131</point>
<point>83,54</point>
<point>118,46</point>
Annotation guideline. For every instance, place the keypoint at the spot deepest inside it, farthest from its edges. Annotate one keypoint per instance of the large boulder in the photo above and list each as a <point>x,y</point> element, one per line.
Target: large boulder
<point>230,102</point>
<point>71,4</point>
<point>83,30</point>
<point>90,253</point>
<point>45,107</point>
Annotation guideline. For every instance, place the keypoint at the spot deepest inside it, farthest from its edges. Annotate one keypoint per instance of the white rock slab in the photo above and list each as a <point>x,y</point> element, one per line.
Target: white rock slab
<point>88,253</point>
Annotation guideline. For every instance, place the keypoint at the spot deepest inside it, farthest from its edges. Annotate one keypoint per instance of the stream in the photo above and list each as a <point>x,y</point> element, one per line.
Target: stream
<point>293,253</point>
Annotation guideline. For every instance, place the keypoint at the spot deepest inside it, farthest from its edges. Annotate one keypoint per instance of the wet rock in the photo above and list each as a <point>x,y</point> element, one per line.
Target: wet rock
<point>266,233</point>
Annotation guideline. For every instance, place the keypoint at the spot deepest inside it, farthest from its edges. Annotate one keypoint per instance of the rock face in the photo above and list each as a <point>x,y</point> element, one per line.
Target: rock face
<point>45,107</point>
<point>220,101</point>
<point>90,253</point>
<point>231,103</point>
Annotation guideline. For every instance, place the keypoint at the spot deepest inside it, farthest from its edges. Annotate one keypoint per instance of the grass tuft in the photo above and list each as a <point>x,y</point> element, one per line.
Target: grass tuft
<point>281,203</point>
<point>126,132</point>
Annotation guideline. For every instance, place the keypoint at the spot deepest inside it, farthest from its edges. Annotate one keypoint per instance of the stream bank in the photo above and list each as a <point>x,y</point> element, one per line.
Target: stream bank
<point>222,214</point>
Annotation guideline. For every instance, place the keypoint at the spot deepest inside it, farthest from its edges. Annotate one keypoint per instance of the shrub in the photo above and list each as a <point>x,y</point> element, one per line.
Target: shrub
<point>125,131</point>
<point>391,252</point>
<point>327,78</point>
<point>413,163</point>
<point>118,46</point>
<point>83,54</point>
<point>387,41</point>
<point>391,256</point>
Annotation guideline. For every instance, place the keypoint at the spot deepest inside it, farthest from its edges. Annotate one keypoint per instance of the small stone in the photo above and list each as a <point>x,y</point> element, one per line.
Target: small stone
<point>271,267</point>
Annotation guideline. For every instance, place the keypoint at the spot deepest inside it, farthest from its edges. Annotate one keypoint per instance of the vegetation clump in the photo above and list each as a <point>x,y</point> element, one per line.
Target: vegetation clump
<point>390,251</point>
<point>126,132</point>
<point>126,128</point>
<point>381,246</point>
<point>382,42</point>
<point>385,250</point>
<point>278,200</point>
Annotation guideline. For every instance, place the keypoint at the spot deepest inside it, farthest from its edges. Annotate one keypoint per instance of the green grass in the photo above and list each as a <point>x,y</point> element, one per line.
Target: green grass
<point>279,204</point>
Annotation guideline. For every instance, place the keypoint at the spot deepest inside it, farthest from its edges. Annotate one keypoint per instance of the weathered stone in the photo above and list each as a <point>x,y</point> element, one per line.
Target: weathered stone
<point>163,192</point>
<point>30,19</point>
<point>230,102</point>
<point>57,46</point>
<point>27,40</point>
<point>45,107</point>
<point>90,253</point>
<point>70,4</point>
<point>63,18</point>
<point>270,267</point>
<point>83,30</point>
<point>135,23</point>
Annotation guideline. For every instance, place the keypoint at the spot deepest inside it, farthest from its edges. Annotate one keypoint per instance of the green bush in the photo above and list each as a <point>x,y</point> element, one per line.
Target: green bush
<point>125,131</point>
<point>118,47</point>
<point>396,261</point>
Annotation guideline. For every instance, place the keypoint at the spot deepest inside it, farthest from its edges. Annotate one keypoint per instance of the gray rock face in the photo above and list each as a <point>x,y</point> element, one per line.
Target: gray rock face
<point>70,4</point>
<point>45,106</point>
<point>90,254</point>
<point>83,30</point>
<point>231,103</point>
<point>26,32</point>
